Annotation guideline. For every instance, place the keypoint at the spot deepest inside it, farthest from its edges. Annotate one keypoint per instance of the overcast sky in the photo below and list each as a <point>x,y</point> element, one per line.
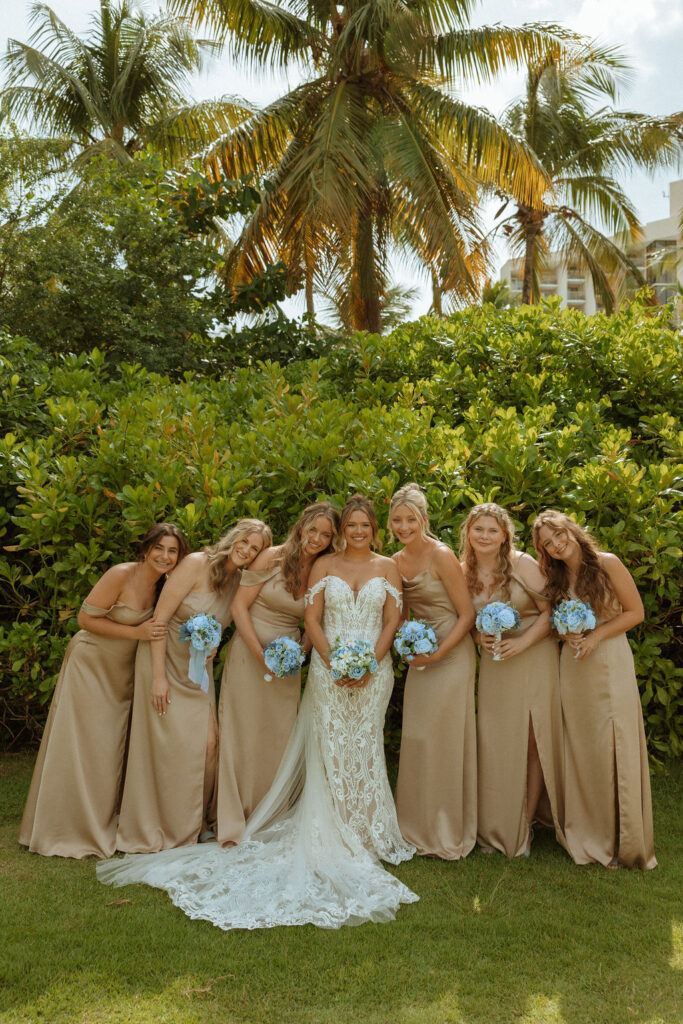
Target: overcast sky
<point>649,31</point>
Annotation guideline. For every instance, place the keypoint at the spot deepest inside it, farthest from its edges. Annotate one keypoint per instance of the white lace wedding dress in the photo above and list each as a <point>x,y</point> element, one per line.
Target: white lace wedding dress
<point>312,847</point>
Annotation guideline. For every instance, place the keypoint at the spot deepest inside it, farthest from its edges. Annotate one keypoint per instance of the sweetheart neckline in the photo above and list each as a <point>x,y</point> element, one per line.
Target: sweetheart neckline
<point>356,593</point>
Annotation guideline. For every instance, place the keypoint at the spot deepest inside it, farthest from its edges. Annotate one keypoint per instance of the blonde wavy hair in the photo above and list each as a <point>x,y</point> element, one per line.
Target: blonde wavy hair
<point>413,497</point>
<point>503,573</point>
<point>291,555</point>
<point>219,552</point>
<point>592,583</point>
<point>359,503</point>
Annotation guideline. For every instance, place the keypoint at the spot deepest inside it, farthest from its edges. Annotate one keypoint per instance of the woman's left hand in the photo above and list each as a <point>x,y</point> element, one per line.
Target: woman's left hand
<point>354,684</point>
<point>420,660</point>
<point>507,647</point>
<point>584,645</point>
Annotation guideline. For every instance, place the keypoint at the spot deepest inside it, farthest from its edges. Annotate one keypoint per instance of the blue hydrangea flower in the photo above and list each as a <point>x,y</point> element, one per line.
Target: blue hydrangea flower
<point>497,617</point>
<point>573,617</point>
<point>352,659</point>
<point>204,633</point>
<point>283,656</point>
<point>415,637</point>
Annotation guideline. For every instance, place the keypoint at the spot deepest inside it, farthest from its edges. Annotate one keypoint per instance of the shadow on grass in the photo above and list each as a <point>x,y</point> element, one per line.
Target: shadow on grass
<point>533,940</point>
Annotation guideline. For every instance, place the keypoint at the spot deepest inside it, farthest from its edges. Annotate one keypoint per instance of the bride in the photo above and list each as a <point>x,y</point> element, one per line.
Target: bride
<point>311,849</point>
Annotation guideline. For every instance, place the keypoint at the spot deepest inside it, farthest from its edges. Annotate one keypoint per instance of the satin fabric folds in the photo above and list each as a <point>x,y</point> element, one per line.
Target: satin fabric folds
<point>511,694</point>
<point>163,795</point>
<point>436,792</point>
<point>608,802</point>
<point>73,798</point>
<point>256,716</point>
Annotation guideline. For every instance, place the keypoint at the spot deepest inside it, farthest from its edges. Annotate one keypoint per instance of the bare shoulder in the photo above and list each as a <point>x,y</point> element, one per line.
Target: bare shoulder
<point>613,565</point>
<point>444,557</point>
<point>388,568</point>
<point>321,567</point>
<point>109,586</point>
<point>528,569</point>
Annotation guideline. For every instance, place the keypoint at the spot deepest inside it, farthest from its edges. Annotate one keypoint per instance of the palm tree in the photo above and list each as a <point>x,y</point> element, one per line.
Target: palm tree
<point>373,148</point>
<point>120,89</point>
<point>582,149</point>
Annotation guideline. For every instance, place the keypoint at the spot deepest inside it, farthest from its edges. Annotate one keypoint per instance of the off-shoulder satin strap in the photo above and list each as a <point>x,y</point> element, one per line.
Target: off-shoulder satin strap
<point>396,594</point>
<point>313,591</point>
<point>92,609</point>
<point>253,577</point>
<point>525,586</point>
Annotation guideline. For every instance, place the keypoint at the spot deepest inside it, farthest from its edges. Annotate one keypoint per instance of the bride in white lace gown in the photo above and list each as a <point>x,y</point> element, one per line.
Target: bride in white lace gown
<point>311,849</point>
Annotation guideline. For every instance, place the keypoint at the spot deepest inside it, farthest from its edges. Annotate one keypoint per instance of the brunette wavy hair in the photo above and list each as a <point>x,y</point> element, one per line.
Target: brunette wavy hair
<point>359,503</point>
<point>413,497</point>
<point>291,554</point>
<point>219,552</point>
<point>592,583</point>
<point>153,535</point>
<point>503,572</point>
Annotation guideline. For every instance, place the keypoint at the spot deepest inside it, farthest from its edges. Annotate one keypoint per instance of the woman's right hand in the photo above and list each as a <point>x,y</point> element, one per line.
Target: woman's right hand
<point>160,695</point>
<point>151,630</point>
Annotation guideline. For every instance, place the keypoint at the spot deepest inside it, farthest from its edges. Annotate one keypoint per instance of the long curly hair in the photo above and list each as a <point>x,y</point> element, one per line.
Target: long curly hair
<point>503,574</point>
<point>592,583</point>
<point>413,497</point>
<point>359,503</point>
<point>219,552</point>
<point>291,555</point>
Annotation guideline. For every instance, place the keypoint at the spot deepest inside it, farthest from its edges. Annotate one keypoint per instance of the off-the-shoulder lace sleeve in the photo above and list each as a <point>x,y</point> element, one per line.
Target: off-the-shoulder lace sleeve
<point>396,594</point>
<point>315,589</point>
<point>92,609</point>
<point>254,577</point>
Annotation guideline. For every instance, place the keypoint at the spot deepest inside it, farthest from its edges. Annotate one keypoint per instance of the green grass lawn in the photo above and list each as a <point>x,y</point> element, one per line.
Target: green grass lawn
<point>531,941</point>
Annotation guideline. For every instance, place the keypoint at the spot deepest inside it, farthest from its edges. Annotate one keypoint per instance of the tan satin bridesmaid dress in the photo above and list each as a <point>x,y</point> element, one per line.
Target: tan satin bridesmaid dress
<point>436,792</point>
<point>73,799</point>
<point>510,694</point>
<point>608,807</point>
<point>256,717</point>
<point>163,796</point>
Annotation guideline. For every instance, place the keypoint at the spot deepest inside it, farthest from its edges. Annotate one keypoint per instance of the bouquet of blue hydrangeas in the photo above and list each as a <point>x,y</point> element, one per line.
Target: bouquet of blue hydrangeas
<point>352,659</point>
<point>415,637</point>
<point>497,618</point>
<point>283,656</point>
<point>204,634</point>
<point>573,617</point>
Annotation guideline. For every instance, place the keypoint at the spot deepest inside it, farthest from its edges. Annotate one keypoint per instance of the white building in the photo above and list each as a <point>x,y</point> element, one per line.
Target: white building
<point>572,282</point>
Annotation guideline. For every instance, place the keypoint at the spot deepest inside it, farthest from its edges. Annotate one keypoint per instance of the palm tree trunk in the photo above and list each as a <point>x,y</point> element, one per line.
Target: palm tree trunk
<point>532,225</point>
<point>437,293</point>
<point>364,284</point>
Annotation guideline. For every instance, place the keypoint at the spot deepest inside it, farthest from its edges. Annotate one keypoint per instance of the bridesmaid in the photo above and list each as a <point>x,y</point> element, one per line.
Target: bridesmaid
<point>73,799</point>
<point>436,793</point>
<point>519,720</point>
<point>608,806</point>
<point>256,717</point>
<point>172,761</point>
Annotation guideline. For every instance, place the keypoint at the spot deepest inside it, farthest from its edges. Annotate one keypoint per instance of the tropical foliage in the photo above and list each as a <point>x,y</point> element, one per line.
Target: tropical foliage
<point>372,149</point>
<point>582,146</point>
<point>534,407</point>
<point>121,88</point>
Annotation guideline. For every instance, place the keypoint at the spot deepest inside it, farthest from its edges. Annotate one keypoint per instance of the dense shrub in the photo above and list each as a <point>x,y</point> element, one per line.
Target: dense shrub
<point>532,408</point>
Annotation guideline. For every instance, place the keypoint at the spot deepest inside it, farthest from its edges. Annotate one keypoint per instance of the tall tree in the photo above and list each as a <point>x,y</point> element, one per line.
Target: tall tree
<point>373,147</point>
<point>583,145</point>
<point>121,88</point>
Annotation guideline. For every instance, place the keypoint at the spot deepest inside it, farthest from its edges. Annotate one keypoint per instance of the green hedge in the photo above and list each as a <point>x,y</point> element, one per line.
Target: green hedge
<point>533,408</point>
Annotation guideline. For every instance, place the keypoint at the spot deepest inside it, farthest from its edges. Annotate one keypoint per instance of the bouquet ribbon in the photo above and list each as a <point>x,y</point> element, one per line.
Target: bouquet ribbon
<point>198,673</point>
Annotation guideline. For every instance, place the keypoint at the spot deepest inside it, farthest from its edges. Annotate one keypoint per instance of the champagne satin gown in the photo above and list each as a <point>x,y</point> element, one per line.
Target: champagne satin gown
<point>436,792</point>
<point>163,796</point>
<point>74,794</point>
<point>511,694</point>
<point>255,717</point>
<point>608,807</point>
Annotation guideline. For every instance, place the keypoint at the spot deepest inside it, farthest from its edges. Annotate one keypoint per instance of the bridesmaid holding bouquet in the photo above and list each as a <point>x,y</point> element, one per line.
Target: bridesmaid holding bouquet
<point>519,721</point>
<point>608,808</point>
<point>257,714</point>
<point>172,761</point>
<point>436,793</point>
<point>73,799</point>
